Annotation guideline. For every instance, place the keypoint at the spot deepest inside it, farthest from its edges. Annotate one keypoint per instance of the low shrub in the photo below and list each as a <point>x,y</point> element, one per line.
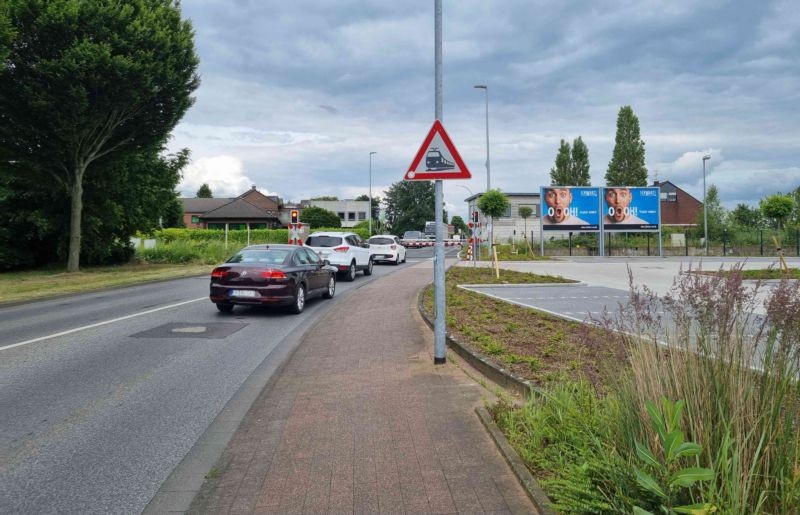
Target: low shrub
<point>185,252</point>
<point>570,439</point>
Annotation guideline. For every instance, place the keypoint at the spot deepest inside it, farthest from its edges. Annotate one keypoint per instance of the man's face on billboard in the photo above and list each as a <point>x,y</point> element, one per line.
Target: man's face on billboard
<point>618,200</point>
<point>558,200</point>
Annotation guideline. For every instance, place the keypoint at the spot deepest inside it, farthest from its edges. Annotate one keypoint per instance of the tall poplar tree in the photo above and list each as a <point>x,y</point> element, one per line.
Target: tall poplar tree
<point>561,173</point>
<point>580,163</point>
<point>627,166</point>
<point>572,165</point>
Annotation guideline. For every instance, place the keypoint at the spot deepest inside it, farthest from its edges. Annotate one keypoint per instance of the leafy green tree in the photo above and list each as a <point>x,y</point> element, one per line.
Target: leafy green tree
<point>777,207</point>
<point>319,217</point>
<point>104,79</point>
<point>409,204</point>
<point>716,214</point>
<point>6,36</point>
<point>376,206</point>
<point>204,192</point>
<point>493,204</point>
<point>326,197</point>
<point>746,216</point>
<point>627,166</point>
<point>525,212</point>
<point>460,225</point>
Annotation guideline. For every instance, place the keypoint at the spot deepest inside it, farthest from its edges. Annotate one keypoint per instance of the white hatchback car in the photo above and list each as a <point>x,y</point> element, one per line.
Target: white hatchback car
<point>387,247</point>
<point>345,251</point>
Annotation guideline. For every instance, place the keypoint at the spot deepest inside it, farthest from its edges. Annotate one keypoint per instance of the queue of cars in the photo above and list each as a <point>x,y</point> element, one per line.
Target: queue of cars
<point>289,275</point>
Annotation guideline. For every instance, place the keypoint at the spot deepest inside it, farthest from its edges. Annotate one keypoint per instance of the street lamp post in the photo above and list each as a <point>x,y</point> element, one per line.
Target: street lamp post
<point>485,88</point>
<point>370,192</point>
<point>705,206</point>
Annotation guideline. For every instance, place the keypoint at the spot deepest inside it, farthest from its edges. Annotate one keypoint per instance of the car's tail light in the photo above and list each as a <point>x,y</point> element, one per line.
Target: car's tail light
<point>273,274</point>
<point>393,247</point>
<point>218,273</point>
<point>344,248</point>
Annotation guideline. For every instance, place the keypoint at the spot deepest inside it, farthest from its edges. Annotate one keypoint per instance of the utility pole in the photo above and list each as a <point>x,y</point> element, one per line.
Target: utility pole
<point>439,356</point>
<point>370,191</point>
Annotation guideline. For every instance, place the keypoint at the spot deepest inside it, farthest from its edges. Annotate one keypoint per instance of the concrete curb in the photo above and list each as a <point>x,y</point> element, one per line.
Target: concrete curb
<point>523,285</point>
<point>526,479</point>
<point>496,374</point>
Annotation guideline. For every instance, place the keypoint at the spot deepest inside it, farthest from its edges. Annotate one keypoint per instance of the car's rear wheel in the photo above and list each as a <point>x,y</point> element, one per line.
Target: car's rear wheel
<point>225,308</point>
<point>299,299</point>
<point>350,275</point>
<point>368,270</point>
<point>331,291</point>
<point>396,260</point>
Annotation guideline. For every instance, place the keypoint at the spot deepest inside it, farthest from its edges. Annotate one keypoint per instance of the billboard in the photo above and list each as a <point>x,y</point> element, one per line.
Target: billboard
<point>566,208</point>
<point>631,209</point>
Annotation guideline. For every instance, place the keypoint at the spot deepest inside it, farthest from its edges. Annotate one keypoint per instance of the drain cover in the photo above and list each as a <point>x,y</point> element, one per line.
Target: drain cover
<point>210,331</point>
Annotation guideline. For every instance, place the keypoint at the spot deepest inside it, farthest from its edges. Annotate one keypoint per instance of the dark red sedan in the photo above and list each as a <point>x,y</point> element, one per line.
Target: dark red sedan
<point>272,275</point>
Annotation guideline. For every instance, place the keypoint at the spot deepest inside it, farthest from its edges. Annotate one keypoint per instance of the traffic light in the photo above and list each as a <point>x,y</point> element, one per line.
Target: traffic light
<point>475,217</point>
<point>295,216</point>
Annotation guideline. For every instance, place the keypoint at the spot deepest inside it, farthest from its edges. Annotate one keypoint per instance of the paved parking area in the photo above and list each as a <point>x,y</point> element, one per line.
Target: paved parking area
<point>578,302</point>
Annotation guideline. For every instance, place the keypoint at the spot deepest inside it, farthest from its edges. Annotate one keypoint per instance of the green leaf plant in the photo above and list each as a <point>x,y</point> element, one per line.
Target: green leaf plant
<point>669,480</point>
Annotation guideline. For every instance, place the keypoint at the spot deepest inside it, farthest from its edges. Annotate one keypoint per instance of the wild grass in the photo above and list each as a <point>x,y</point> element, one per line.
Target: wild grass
<point>735,361</point>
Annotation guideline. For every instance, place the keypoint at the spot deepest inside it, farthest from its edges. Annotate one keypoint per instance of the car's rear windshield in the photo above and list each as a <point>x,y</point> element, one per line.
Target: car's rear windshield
<point>262,256</point>
<point>381,241</point>
<point>323,241</point>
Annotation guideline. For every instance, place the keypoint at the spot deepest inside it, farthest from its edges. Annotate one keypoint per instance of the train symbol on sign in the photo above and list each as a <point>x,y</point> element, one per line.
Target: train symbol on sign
<point>435,161</point>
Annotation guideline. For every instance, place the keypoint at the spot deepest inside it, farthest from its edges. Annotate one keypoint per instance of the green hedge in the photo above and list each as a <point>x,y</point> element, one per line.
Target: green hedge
<point>238,236</point>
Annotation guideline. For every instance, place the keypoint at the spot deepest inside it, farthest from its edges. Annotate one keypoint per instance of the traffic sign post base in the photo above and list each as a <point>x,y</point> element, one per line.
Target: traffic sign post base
<point>439,361</point>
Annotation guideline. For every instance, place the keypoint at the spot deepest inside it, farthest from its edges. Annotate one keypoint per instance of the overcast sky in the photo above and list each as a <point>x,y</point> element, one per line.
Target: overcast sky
<point>295,95</point>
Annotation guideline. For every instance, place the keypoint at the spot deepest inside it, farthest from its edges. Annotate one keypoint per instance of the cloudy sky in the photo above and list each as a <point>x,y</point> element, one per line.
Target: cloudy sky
<point>295,95</point>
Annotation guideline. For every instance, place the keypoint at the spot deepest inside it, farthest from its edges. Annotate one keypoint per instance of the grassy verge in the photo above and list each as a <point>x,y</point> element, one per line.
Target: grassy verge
<point>22,286</point>
<point>512,253</point>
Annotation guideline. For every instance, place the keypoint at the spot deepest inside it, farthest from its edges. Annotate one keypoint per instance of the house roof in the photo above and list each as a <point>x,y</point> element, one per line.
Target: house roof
<point>659,184</point>
<point>239,209</point>
<point>202,205</point>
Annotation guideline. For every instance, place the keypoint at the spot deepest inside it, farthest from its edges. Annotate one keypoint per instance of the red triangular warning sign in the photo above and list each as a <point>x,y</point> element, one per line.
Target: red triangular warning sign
<point>437,158</point>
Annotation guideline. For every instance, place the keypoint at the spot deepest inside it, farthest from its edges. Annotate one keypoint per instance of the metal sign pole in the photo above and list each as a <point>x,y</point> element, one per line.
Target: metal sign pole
<point>542,214</point>
<point>438,265</point>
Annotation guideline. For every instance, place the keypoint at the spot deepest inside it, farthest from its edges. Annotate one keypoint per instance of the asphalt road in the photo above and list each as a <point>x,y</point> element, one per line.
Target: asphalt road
<point>103,394</point>
<point>579,302</point>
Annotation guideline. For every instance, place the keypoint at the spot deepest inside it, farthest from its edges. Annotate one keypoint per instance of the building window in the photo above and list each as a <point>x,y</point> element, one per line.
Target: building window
<point>672,197</point>
<point>195,219</point>
<point>362,215</point>
<point>341,215</point>
<point>216,226</point>
<point>534,210</point>
<point>351,216</point>
<point>507,213</point>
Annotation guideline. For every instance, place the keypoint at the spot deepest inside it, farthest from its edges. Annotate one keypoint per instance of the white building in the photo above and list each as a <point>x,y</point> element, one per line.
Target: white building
<point>349,211</point>
<point>511,226</point>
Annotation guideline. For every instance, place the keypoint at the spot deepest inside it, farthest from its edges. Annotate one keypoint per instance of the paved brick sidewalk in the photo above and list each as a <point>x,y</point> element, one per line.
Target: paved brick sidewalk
<point>360,421</point>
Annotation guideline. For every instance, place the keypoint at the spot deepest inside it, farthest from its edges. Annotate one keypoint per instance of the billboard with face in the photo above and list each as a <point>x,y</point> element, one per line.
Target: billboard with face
<point>566,208</point>
<point>631,209</point>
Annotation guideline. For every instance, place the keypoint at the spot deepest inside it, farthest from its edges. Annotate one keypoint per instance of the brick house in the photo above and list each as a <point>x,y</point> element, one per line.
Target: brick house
<point>251,209</point>
<point>678,208</point>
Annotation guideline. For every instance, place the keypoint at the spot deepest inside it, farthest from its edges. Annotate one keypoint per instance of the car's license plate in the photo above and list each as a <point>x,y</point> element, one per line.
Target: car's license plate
<point>243,293</point>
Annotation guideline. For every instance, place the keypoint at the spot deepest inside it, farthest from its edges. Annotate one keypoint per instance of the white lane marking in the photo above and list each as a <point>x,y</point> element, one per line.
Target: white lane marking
<point>98,324</point>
